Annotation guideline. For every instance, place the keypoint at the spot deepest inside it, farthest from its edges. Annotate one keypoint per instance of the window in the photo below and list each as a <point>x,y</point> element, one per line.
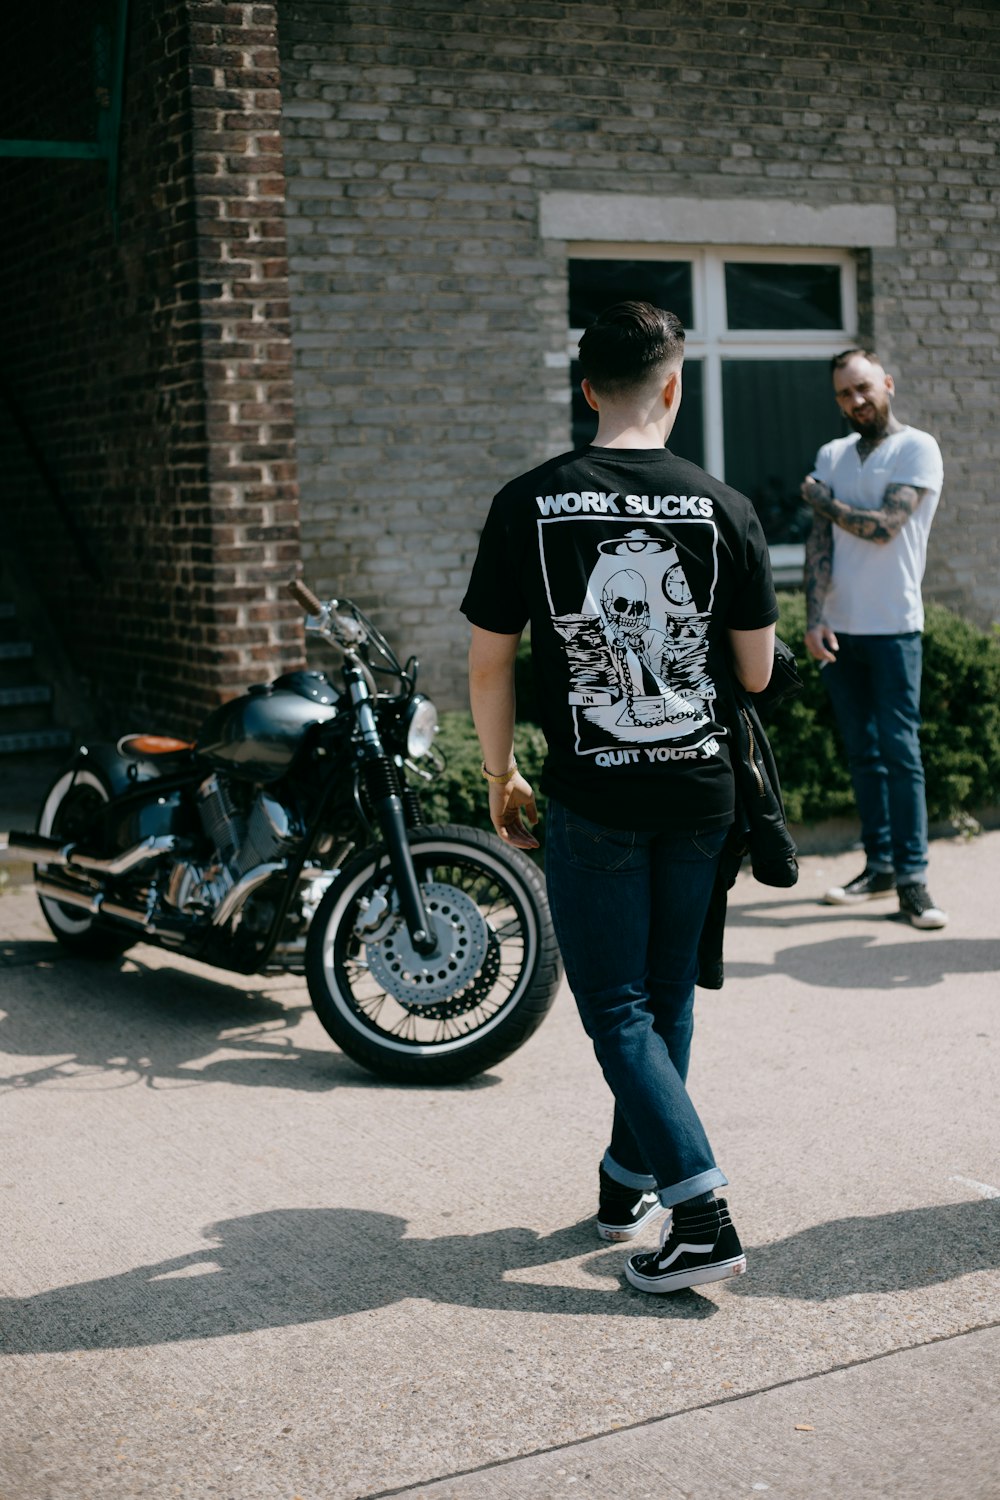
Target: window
<point>761,327</point>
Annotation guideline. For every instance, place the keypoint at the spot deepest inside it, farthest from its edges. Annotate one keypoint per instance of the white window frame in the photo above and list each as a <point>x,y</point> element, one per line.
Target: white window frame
<point>711,341</point>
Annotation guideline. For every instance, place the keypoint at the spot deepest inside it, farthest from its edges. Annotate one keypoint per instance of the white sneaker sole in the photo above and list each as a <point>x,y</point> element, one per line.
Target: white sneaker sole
<point>696,1276</point>
<point>617,1233</point>
<point>839,897</point>
<point>926,923</point>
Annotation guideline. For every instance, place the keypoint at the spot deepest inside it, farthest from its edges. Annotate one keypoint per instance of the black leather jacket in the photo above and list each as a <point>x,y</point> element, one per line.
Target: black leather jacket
<point>759,830</point>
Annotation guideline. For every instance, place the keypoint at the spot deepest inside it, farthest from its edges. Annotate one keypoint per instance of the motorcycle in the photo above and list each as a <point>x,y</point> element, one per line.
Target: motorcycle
<point>288,838</point>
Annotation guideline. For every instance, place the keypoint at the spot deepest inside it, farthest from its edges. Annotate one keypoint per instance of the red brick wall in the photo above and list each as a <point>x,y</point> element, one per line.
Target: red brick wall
<point>155,375</point>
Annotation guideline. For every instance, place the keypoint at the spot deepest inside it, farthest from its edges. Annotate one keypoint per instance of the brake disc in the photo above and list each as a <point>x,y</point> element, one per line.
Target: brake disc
<point>420,982</point>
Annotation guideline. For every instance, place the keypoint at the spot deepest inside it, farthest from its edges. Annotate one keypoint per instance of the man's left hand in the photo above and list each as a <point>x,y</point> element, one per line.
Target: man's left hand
<point>507,803</point>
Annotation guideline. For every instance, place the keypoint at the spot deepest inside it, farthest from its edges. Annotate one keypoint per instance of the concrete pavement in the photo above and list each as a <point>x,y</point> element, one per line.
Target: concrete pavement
<point>234,1265</point>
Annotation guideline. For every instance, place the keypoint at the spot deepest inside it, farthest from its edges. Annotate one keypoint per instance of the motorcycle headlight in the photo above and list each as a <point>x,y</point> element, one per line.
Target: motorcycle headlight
<point>420,726</point>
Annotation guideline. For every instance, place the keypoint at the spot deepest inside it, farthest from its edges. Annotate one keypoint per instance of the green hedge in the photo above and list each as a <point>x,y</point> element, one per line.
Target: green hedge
<point>960,703</point>
<point>961,734</point>
<point>459,794</point>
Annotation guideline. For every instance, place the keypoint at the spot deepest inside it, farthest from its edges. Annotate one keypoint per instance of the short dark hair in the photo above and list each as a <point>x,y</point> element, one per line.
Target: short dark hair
<point>625,344</point>
<point>840,360</point>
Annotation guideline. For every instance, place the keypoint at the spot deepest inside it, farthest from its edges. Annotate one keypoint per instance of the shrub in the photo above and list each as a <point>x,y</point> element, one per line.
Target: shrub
<point>459,794</point>
<point>960,701</point>
<point>960,736</point>
<point>815,782</point>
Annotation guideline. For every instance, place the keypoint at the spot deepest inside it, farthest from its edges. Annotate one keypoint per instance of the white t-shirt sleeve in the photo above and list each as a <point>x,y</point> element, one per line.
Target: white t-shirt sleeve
<point>919,463</point>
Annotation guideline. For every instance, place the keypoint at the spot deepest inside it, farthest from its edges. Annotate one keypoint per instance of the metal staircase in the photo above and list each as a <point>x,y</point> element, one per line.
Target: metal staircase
<point>25,702</point>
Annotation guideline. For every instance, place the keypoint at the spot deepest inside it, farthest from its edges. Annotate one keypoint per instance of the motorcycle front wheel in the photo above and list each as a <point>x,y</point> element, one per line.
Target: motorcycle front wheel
<point>473,1002</point>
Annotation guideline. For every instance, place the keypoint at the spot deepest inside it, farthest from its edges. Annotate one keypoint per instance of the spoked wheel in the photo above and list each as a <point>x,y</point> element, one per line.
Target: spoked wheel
<point>71,806</point>
<point>475,1000</point>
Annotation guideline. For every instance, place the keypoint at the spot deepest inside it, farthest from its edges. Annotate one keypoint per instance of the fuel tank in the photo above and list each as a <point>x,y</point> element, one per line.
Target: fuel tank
<point>257,735</point>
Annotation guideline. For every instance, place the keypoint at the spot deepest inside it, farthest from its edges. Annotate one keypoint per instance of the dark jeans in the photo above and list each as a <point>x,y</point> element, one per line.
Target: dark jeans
<point>874,686</point>
<point>628,910</point>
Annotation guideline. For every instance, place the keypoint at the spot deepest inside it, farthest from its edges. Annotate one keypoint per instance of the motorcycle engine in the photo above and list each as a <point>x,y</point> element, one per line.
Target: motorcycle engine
<point>242,840</point>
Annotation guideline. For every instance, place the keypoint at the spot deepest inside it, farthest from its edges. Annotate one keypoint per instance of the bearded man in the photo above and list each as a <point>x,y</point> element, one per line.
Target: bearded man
<point>874,494</point>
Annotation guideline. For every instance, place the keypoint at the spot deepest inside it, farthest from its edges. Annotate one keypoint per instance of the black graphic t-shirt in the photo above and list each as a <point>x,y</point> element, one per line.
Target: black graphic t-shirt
<point>629,565</point>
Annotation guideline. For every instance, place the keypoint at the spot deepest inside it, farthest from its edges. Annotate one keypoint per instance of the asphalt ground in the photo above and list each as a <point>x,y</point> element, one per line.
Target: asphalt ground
<point>234,1265</point>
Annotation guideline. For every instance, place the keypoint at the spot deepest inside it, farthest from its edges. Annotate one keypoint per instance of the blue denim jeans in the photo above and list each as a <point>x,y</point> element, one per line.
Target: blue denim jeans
<point>628,910</point>
<point>874,686</point>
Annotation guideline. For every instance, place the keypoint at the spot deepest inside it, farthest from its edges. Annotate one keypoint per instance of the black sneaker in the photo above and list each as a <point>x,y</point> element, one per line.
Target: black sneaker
<point>622,1211</point>
<point>862,888</point>
<point>916,906</point>
<point>700,1245</point>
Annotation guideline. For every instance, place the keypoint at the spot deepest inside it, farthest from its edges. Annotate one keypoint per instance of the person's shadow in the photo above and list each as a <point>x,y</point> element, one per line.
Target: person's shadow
<point>858,962</point>
<point>893,1252</point>
<point>293,1266</point>
<point>124,1022</point>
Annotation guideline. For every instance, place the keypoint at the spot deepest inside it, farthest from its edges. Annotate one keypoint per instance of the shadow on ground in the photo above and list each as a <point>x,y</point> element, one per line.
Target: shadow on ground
<point>897,1252</point>
<point>296,1266</point>
<point>858,962</point>
<point>293,1266</point>
<point>121,1022</point>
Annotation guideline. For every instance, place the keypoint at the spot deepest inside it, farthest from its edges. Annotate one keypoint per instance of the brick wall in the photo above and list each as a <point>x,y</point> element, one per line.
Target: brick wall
<point>429,314</point>
<point>239,189</point>
<point>154,373</point>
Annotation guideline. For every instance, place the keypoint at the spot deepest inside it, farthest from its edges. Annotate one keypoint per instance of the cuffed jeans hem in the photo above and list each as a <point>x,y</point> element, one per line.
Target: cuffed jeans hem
<point>639,1180</point>
<point>910,875</point>
<point>703,1183</point>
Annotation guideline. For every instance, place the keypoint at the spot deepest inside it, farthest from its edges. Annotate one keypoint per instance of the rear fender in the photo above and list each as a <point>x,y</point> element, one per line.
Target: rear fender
<point>147,795</point>
<point>108,763</point>
<point>123,773</point>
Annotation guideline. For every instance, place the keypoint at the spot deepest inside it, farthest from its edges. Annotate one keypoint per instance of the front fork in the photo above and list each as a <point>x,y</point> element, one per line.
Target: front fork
<point>388,808</point>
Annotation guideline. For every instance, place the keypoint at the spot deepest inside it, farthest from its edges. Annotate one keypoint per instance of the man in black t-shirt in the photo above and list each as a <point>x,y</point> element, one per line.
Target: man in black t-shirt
<point>645,583</point>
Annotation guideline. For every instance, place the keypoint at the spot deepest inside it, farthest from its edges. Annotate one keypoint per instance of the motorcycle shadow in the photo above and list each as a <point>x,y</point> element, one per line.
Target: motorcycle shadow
<point>290,1267</point>
<point>128,1021</point>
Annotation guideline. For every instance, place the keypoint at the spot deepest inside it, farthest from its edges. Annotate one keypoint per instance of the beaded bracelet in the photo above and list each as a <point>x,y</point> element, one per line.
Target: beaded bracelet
<point>500,780</point>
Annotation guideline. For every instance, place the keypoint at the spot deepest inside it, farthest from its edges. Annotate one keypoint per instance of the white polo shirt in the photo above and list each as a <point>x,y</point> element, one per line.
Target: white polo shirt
<point>875,587</point>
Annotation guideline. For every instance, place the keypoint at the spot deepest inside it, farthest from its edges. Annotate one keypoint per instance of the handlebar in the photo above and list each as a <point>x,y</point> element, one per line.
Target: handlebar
<point>304,596</point>
<point>346,629</point>
<point>349,628</point>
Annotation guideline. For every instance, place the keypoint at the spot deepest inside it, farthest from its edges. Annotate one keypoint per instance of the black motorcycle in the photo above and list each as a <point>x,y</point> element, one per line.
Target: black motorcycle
<point>289,839</point>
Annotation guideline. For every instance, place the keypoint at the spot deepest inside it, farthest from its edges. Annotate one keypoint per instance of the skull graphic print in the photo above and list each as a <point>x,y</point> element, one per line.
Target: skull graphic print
<point>637,642</point>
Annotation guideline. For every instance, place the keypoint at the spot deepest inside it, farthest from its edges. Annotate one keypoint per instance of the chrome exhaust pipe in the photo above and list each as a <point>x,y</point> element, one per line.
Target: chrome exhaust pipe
<point>48,851</point>
<point>235,898</point>
<point>94,902</point>
<point>130,859</point>
<point>38,845</point>
<point>70,896</point>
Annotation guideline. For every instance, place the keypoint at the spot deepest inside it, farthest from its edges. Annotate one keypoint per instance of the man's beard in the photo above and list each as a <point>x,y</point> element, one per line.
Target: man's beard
<point>874,426</point>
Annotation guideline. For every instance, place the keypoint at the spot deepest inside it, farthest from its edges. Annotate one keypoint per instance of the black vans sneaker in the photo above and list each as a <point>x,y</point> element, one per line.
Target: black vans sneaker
<point>622,1211</point>
<point>700,1245</point>
<point>916,906</point>
<point>862,888</point>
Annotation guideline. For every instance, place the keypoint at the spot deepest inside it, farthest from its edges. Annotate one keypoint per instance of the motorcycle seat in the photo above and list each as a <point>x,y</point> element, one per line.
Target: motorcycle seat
<point>153,746</point>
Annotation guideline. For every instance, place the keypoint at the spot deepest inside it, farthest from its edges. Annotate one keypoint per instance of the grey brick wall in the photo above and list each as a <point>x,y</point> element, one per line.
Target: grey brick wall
<point>418,139</point>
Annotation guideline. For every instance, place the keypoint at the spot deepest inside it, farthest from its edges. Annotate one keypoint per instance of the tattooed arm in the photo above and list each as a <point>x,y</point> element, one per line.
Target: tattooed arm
<point>821,643</point>
<point>881,526</point>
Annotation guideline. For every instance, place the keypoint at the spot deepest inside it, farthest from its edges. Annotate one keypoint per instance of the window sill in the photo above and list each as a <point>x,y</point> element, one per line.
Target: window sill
<point>787,561</point>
